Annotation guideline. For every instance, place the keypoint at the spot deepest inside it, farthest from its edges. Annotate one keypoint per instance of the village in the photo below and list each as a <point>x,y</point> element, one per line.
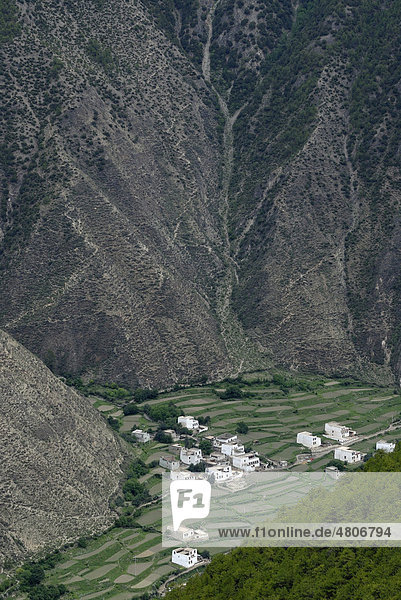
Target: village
<point>195,432</point>
<point>228,460</point>
<point>228,457</point>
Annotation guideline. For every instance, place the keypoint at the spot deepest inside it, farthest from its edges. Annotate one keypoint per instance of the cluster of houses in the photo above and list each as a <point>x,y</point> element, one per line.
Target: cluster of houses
<point>337,432</point>
<point>332,430</point>
<point>189,423</point>
<point>342,434</point>
<point>227,460</point>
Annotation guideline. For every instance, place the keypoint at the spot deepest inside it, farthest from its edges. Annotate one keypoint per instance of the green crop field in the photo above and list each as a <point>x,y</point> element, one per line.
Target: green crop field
<point>126,562</point>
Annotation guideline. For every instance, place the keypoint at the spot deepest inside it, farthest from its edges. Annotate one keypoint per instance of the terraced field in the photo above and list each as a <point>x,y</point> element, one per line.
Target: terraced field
<point>116,564</point>
<point>127,562</point>
<point>274,418</point>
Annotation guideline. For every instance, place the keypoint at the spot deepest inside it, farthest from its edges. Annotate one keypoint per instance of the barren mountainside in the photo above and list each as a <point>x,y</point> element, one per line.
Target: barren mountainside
<point>60,463</point>
<point>198,188</point>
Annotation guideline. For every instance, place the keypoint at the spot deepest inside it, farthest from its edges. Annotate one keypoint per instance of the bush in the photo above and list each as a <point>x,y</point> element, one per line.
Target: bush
<point>47,592</point>
<point>100,55</point>
<point>9,25</point>
<point>128,437</point>
<point>31,575</point>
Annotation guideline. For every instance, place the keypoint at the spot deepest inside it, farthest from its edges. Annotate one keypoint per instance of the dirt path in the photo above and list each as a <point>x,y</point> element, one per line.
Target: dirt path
<point>162,589</point>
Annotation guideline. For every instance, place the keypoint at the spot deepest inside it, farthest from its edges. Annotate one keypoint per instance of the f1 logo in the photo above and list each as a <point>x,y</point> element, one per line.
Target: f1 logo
<point>189,500</point>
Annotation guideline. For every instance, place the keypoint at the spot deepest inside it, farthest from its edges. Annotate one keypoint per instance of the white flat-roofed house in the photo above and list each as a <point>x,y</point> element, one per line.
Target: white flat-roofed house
<point>175,449</point>
<point>225,438</point>
<point>141,436</point>
<point>189,422</point>
<point>169,462</point>
<point>337,432</point>
<point>185,534</point>
<point>174,434</point>
<point>385,446</point>
<point>217,458</point>
<point>246,462</point>
<point>184,475</point>
<point>347,454</point>
<point>200,534</point>
<point>191,456</point>
<point>220,472</point>
<point>210,438</point>
<point>185,557</point>
<point>231,448</point>
<point>333,472</point>
<point>307,439</point>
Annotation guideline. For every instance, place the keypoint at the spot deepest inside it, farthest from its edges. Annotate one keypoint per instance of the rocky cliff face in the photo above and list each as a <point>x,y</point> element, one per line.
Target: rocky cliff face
<point>195,188</point>
<point>60,464</point>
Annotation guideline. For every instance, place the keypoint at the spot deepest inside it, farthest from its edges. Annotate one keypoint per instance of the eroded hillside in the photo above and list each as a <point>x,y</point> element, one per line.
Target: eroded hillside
<point>60,463</point>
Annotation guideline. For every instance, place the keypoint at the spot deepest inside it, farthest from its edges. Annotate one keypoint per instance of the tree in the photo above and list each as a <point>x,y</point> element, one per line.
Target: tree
<point>135,492</point>
<point>32,575</point>
<point>232,391</point>
<point>130,409</point>
<point>242,427</point>
<point>199,468</point>
<point>182,430</point>
<point>140,395</point>
<point>137,468</point>
<point>206,446</point>
<point>166,413</point>
<point>114,423</point>
<point>162,437</point>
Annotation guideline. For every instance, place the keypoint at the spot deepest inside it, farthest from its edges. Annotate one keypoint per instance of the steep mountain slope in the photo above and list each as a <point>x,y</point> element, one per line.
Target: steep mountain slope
<point>317,195</point>
<point>202,187</point>
<point>112,236</point>
<point>60,464</point>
